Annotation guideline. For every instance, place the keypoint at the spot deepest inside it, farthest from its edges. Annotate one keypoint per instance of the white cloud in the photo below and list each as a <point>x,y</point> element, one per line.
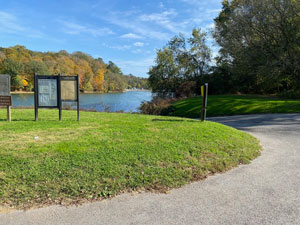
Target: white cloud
<point>164,19</point>
<point>118,47</point>
<point>136,26</point>
<point>136,51</point>
<point>139,44</point>
<point>11,24</point>
<point>161,5</point>
<point>131,36</point>
<point>136,67</point>
<point>125,47</point>
<point>75,29</point>
<point>158,17</point>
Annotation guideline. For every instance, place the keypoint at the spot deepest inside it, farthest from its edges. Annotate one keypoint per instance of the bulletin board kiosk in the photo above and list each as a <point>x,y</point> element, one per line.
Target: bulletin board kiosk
<point>5,97</point>
<point>50,91</point>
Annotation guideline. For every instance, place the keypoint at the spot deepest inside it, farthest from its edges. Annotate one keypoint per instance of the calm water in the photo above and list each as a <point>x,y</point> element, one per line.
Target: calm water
<point>128,101</point>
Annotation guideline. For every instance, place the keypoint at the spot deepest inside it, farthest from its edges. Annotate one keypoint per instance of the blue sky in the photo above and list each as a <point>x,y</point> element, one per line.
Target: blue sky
<point>127,32</point>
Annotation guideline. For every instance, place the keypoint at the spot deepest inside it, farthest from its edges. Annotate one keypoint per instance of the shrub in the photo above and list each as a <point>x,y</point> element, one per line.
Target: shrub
<point>186,89</point>
<point>157,106</point>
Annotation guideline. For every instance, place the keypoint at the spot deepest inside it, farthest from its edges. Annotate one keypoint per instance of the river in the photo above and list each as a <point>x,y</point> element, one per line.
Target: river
<point>127,101</point>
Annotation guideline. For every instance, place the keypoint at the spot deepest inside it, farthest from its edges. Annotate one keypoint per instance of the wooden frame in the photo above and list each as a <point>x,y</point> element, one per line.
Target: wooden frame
<point>59,100</point>
<point>6,99</point>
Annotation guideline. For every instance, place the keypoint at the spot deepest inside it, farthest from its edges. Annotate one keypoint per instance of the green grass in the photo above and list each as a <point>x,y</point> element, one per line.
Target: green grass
<point>228,105</point>
<point>106,154</point>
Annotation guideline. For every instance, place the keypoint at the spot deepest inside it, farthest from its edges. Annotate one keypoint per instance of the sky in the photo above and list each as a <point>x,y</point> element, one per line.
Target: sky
<point>127,32</point>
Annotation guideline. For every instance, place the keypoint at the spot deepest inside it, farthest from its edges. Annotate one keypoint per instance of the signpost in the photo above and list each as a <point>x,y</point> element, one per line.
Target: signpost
<point>5,97</point>
<point>204,93</point>
<point>52,91</point>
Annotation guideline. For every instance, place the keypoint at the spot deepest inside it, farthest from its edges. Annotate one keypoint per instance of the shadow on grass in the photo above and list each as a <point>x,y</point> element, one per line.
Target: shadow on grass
<point>17,120</point>
<point>175,120</point>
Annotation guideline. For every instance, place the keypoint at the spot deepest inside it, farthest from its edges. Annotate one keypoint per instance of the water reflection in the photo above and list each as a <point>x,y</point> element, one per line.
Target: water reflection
<point>127,102</point>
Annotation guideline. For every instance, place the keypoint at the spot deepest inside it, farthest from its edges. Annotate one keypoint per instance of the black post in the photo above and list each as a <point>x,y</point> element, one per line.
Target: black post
<point>59,95</point>
<point>78,92</point>
<point>35,98</point>
<point>206,95</point>
<point>204,102</point>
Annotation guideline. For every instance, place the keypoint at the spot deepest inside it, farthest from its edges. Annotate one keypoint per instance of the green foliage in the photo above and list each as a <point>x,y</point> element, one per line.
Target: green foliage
<point>12,67</point>
<point>228,105</point>
<point>177,64</point>
<point>106,154</point>
<point>114,82</point>
<point>37,67</point>
<point>113,68</point>
<point>186,89</point>
<point>260,41</point>
<point>135,82</point>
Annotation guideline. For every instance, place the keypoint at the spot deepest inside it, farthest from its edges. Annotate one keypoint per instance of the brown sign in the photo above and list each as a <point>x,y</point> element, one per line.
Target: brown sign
<point>69,90</point>
<point>5,101</point>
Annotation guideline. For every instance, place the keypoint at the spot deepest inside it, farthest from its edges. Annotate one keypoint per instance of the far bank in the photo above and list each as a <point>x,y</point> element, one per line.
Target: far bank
<point>128,101</point>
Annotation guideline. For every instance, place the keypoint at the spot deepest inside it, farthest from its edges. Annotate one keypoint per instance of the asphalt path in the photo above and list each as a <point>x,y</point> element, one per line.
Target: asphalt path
<point>267,191</point>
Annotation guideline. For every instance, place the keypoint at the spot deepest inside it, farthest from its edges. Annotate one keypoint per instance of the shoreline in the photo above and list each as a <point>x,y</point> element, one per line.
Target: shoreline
<point>21,92</point>
<point>87,92</point>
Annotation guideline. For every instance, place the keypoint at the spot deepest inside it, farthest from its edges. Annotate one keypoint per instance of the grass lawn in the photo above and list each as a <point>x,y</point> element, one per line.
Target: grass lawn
<point>106,154</point>
<point>228,105</point>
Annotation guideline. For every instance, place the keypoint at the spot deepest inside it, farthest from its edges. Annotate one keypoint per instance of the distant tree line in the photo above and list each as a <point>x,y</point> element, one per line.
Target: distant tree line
<point>259,52</point>
<point>95,75</point>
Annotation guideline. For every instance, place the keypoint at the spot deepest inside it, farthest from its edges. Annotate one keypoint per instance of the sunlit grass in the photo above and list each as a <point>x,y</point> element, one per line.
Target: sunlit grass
<point>52,162</point>
<point>227,105</point>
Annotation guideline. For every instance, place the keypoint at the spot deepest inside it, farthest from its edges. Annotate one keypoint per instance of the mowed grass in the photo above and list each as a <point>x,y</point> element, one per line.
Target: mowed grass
<point>52,162</point>
<point>228,105</point>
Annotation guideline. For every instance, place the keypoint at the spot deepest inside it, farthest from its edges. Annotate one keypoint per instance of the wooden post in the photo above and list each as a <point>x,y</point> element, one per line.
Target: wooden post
<point>78,93</point>
<point>9,113</point>
<point>35,98</point>
<point>59,95</point>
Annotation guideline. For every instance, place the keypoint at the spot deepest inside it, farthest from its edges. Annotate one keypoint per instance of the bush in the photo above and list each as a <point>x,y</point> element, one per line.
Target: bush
<point>186,89</point>
<point>290,94</point>
<point>157,106</point>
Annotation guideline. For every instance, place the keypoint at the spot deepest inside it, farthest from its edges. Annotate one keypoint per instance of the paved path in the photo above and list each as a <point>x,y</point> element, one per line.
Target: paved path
<point>265,192</point>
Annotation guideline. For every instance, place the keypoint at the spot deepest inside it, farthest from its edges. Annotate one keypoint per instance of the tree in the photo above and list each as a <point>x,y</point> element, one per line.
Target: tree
<point>176,64</point>
<point>33,67</point>
<point>37,67</point>
<point>163,77</point>
<point>113,82</point>
<point>22,63</point>
<point>86,75</point>
<point>12,67</point>
<point>261,41</point>
<point>99,79</point>
<point>113,68</point>
<point>200,55</point>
